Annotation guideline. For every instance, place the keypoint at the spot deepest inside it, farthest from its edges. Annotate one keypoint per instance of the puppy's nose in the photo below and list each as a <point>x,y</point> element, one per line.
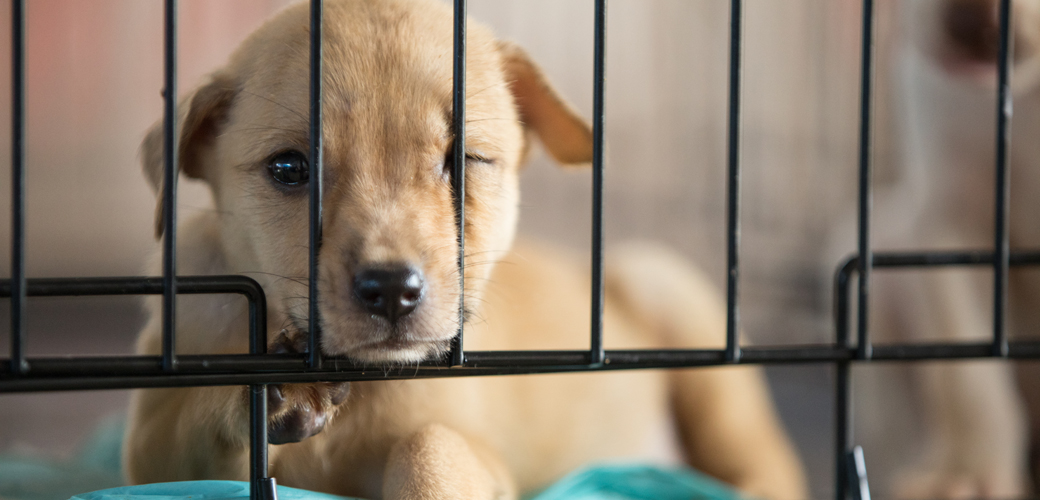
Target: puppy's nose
<point>389,291</point>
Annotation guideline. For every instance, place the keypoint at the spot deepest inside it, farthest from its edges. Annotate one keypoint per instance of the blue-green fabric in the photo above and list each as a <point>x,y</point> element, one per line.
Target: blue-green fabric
<point>96,469</point>
<point>197,490</point>
<point>95,466</point>
<point>636,482</point>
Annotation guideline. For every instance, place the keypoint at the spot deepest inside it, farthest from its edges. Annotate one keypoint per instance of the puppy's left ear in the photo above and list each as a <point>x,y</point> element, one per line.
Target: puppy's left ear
<point>199,118</point>
<point>565,134</point>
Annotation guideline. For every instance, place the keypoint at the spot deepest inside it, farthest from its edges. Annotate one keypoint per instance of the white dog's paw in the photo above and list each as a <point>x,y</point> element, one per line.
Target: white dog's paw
<point>957,482</point>
<point>298,411</point>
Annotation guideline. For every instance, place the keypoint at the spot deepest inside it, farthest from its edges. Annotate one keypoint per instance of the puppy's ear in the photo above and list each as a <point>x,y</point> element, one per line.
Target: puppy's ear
<point>199,118</point>
<point>565,134</point>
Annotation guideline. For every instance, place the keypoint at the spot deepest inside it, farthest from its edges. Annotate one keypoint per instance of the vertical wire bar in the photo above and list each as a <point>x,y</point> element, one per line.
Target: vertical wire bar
<point>842,423</point>
<point>842,429</point>
<point>257,438</point>
<point>866,257</point>
<point>258,407</point>
<point>596,352</point>
<point>316,179</point>
<point>733,195</point>
<point>458,171</point>
<point>1003,184</point>
<point>18,284</point>
<point>169,312</point>
<point>843,379</point>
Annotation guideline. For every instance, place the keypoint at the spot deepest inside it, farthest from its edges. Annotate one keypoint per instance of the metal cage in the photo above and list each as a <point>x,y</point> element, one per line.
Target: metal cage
<point>256,369</point>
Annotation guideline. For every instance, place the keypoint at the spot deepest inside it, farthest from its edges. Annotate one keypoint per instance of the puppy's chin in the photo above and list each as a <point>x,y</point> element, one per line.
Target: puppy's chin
<point>374,342</point>
<point>397,352</point>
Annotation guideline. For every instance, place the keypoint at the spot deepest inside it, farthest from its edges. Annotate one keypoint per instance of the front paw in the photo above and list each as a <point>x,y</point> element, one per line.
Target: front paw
<point>298,411</point>
<point>948,481</point>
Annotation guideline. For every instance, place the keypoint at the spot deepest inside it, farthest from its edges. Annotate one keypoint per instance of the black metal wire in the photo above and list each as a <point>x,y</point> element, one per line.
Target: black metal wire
<point>865,179</point>
<point>136,285</point>
<point>316,181</point>
<point>596,354</point>
<point>842,427</point>
<point>733,192</point>
<point>18,186</point>
<point>257,439</point>
<point>843,379</point>
<point>1003,184</point>
<point>170,171</point>
<point>128,372</point>
<point>458,170</point>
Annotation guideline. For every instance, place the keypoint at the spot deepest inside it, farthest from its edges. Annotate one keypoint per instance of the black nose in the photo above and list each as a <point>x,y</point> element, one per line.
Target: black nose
<point>389,291</point>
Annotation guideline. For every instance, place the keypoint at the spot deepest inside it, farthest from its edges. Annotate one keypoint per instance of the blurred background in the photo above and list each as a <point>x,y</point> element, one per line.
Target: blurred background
<point>94,80</point>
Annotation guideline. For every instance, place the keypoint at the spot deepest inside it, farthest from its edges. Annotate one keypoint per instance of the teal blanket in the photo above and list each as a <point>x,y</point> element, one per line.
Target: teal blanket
<point>96,469</point>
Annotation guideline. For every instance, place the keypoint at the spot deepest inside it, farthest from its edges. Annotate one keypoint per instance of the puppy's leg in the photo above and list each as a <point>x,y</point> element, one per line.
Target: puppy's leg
<point>184,434</point>
<point>437,463</point>
<point>726,418</point>
<point>203,433</point>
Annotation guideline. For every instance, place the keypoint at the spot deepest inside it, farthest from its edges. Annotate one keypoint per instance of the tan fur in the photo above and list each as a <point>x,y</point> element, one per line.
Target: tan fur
<point>387,133</point>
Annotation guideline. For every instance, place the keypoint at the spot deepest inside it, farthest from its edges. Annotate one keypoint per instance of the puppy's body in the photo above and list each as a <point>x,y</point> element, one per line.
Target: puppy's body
<point>388,206</point>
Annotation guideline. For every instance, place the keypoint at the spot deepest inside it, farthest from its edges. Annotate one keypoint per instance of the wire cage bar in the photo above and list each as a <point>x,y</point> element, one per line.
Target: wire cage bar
<point>458,170</point>
<point>1003,183</point>
<point>18,282</point>
<point>596,354</point>
<point>733,186</point>
<point>258,368</point>
<point>169,187</point>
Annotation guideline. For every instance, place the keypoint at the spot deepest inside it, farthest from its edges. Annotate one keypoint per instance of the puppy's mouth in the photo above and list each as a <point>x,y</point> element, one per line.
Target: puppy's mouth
<point>367,343</point>
<point>397,350</point>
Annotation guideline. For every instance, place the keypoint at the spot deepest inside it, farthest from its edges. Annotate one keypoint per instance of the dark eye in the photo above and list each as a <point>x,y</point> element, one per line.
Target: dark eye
<point>289,168</point>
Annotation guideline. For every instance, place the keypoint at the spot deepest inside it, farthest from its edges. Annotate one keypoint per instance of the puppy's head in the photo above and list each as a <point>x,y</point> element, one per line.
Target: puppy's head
<point>389,287</point>
<point>963,37</point>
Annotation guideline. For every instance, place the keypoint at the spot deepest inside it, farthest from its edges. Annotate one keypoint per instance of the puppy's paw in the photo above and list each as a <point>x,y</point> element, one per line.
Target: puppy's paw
<point>951,482</point>
<point>298,411</point>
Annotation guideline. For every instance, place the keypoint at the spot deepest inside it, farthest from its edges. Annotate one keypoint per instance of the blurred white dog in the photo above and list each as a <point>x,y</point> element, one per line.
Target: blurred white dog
<point>976,421</point>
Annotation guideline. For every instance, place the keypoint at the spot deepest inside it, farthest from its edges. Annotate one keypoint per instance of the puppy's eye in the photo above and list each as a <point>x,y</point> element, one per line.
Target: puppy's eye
<point>289,168</point>
<point>471,157</point>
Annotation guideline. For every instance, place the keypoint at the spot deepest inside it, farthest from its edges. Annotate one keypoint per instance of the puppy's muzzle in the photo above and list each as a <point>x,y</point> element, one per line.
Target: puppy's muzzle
<point>391,291</point>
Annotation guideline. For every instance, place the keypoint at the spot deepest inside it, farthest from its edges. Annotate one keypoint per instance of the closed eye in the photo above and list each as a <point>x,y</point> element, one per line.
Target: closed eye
<point>472,157</point>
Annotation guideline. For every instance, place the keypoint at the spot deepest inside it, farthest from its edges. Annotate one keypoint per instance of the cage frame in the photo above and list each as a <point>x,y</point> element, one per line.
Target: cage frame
<point>19,373</point>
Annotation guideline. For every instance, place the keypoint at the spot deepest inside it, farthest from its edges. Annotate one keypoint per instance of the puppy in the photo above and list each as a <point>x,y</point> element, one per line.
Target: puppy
<point>389,282</point>
<point>946,79</point>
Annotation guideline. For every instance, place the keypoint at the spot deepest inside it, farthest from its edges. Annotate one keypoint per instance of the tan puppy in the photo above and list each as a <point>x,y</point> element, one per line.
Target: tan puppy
<point>389,287</point>
<point>977,434</point>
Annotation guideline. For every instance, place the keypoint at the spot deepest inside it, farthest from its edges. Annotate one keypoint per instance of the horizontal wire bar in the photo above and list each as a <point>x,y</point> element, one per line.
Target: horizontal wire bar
<point>240,369</point>
<point>138,285</point>
<point>942,259</point>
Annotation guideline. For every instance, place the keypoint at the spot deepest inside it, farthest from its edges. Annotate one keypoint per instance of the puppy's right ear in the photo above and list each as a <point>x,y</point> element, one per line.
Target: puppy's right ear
<point>563,132</point>
<point>199,119</point>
